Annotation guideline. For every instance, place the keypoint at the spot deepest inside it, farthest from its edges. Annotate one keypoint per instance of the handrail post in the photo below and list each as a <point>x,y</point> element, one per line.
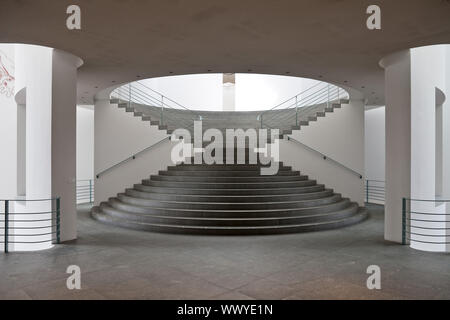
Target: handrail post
<point>90,191</point>
<point>339,96</point>
<point>404,221</point>
<point>261,120</point>
<point>162,110</point>
<point>58,220</point>
<point>328,95</point>
<point>6,225</point>
<point>129,95</point>
<point>367,191</point>
<point>296,110</point>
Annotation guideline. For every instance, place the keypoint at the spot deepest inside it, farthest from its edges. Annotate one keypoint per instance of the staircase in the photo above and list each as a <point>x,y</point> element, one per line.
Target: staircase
<point>229,199</point>
<point>294,113</point>
<point>222,120</point>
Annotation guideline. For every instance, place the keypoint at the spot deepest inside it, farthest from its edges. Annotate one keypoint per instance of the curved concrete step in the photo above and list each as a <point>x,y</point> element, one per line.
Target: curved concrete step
<point>230,185</point>
<point>224,167</point>
<point>230,205</point>
<point>223,173</point>
<point>210,191</point>
<point>227,221</point>
<point>228,198</point>
<point>230,230</point>
<point>220,213</point>
<point>256,179</point>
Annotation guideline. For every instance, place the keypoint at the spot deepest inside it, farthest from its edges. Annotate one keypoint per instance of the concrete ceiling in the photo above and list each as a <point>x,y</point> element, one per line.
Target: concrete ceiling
<point>124,40</point>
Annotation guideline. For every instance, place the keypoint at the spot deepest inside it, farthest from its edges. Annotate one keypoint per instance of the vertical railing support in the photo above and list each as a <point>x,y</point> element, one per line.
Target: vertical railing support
<point>162,110</point>
<point>296,110</point>
<point>6,225</point>
<point>90,191</point>
<point>58,220</point>
<point>129,95</point>
<point>328,95</point>
<point>367,191</point>
<point>404,221</point>
<point>261,121</point>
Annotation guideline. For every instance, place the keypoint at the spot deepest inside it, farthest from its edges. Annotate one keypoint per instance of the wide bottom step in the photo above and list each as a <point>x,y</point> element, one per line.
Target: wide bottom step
<point>230,230</point>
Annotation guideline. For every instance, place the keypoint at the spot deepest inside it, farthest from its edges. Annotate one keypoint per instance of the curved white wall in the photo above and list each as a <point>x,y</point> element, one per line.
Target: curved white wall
<point>253,91</point>
<point>46,93</point>
<point>262,92</point>
<point>8,127</point>
<point>413,146</point>
<point>196,92</point>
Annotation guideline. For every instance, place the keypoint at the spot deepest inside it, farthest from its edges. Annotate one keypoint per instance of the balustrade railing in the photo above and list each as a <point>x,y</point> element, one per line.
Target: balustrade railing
<point>155,104</point>
<point>426,224</point>
<point>318,97</point>
<point>85,191</point>
<point>29,224</point>
<point>374,191</point>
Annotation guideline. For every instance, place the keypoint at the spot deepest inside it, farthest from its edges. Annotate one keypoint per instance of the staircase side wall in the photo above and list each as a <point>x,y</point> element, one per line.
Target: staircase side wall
<point>340,136</point>
<point>118,135</point>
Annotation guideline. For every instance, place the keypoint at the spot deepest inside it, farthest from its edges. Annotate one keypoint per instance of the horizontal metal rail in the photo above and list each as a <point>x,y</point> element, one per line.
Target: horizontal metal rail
<point>301,104</point>
<point>419,222</point>
<point>132,157</point>
<point>137,92</point>
<point>325,157</point>
<point>85,191</point>
<point>374,191</point>
<point>13,220</point>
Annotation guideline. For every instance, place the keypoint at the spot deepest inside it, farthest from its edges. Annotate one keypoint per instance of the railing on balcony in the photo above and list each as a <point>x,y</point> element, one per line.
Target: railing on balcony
<point>316,98</point>
<point>29,224</point>
<point>151,102</point>
<point>85,191</point>
<point>374,191</point>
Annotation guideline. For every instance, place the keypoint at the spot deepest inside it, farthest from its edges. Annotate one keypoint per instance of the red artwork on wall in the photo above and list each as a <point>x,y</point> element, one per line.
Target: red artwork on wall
<point>6,81</point>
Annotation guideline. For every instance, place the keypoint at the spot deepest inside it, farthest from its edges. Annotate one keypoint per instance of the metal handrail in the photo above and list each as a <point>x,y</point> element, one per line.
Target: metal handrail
<point>326,93</point>
<point>9,223</point>
<point>132,157</point>
<point>298,94</point>
<point>147,100</point>
<point>131,93</point>
<point>165,97</point>
<point>309,103</point>
<point>325,157</point>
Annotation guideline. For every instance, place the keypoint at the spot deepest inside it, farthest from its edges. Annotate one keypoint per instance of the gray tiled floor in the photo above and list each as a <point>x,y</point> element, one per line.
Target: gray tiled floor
<point>124,264</point>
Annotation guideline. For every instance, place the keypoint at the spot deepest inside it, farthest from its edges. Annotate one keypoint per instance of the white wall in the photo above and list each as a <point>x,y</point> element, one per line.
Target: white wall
<point>85,142</point>
<point>252,91</point>
<point>428,72</point>
<point>374,143</point>
<point>446,130</point>
<point>262,92</point>
<point>398,141</point>
<point>47,95</point>
<point>412,78</point>
<point>196,92</point>
<point>8,126</point>
<point>340,136</point>
<point>118,135</point>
